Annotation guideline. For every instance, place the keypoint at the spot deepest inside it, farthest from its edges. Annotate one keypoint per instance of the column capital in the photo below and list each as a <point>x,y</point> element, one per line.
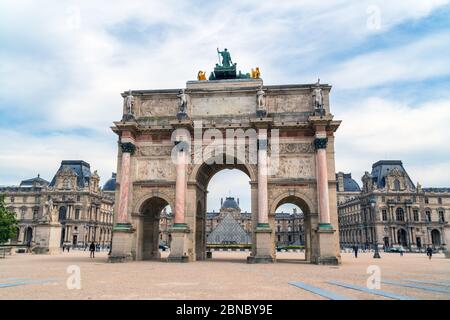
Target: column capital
<point>128,147</point>
<point>320,143</point>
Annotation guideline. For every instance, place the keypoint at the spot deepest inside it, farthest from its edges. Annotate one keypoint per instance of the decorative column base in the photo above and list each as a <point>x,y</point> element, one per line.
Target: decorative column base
<point>48,238</point>
<point>327,254</point>
<point>178,244</point>
<point>121,243</point>
<point>263,243</point>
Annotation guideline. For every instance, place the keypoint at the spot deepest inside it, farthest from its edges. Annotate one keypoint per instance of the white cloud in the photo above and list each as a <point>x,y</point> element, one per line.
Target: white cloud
<point>71,75</point>
<point>417,61</point>
<point>377,128</point>
<point>27,155</point>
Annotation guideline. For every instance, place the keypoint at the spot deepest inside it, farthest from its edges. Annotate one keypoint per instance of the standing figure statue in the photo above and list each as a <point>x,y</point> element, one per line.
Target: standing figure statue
<point>261,102</point>
<point>182,105</point>
<point>48,211</point>
<point>226,58</point>
<point>317,96</point>
<point>129,102</point>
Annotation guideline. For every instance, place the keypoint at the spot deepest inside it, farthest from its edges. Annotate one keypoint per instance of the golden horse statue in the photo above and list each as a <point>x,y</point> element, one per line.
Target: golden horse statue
<point>256,73</point>
<point>201,75</point>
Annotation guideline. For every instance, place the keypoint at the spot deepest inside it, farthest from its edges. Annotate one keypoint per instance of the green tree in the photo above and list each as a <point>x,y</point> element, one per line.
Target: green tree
<point>8,222</point>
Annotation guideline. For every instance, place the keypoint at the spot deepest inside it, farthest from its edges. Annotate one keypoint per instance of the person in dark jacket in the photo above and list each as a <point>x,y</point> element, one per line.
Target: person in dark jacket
<point>429,252</point>
<point>92,249</point>
<point>355,249</point>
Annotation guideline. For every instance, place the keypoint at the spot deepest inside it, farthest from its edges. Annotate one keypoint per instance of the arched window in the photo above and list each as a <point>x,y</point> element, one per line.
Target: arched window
<point>396,185</point>
<point>441,216</point>
<point>62,213</point>
<point>400,214</point>
<point>428,215</point>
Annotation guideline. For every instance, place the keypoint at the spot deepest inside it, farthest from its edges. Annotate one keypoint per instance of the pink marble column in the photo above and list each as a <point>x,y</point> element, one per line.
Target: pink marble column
<point>263,218</point>
<point>127,150</point>
<point>322,179</point>
<point>180,187</point>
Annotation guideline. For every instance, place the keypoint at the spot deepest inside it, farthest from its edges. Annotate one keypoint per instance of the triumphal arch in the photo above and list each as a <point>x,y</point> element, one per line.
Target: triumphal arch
<point>172,141</point>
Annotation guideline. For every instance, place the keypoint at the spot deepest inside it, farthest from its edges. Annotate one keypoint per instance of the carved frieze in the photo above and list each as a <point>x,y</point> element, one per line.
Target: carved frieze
<point>293,168</point>
<point>148,151</point>
<point>158,107</point>
<point>287,148</point>
<point>155,170</point>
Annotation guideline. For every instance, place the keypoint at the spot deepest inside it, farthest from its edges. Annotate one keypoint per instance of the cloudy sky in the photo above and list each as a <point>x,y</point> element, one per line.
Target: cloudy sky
<point>63,65</point>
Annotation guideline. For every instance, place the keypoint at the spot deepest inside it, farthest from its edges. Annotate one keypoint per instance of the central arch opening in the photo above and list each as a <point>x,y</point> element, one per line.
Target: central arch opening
<point>224,212</point>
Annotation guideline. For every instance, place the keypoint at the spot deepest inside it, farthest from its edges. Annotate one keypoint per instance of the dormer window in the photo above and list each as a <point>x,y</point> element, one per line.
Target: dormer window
<point>66,184</point>
<point>396,185</point>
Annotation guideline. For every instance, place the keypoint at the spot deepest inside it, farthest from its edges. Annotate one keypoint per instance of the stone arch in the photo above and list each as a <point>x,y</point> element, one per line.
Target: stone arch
<point>248,169</point>
<point>139,203</point>
<point>436,238</point>
<point>306,205</point>
<point>303,200</point>
<point>147,224</point>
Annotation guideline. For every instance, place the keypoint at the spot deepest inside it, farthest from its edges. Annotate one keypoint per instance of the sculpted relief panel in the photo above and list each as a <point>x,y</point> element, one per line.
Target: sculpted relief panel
<point>293,168</point>
<point>289,103</point>
<point>223,104</point>
<point>155,170</point>
<point>158,107</point>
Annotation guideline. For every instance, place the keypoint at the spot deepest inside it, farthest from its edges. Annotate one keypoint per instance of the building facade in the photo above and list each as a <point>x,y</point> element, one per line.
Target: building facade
<point>84,210</point>
<point>392,211</point>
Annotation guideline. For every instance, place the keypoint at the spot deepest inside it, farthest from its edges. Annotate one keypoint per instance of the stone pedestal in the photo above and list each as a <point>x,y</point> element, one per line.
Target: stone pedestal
<point>178,244</point>
<point>48,238</point>
<point>327,253</point>
<point>121,243</point>
<point>447,254</point>
<point>263,245</point>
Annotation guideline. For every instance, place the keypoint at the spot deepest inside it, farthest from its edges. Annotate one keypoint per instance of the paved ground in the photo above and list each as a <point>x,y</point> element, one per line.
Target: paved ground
<point>227,276</point>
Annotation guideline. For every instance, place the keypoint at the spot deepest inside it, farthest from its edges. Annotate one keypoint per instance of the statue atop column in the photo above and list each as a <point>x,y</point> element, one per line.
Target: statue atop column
<point>182,105</point>
<point>129,105</point>
<point>317,98</point>
<point>226,58</point>
<point>261,110</point>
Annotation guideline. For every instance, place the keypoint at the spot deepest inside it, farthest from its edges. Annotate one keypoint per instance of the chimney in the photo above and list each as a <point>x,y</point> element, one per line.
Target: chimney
<point>221,201</point>
<point>238,200</point>
<point>340,181</point>
<point>294,210</point>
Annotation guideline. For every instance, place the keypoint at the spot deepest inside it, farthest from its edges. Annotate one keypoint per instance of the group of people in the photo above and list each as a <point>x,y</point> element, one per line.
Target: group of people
<point>429,251</point>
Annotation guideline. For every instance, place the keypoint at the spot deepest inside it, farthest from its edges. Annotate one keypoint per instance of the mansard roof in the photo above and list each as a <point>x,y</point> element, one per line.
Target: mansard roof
<point>436,190</point>
<point>81,168</point>
<point>34,182</point>
<point>350,185</point>
<point>110,185</point>
<point>382,168</point>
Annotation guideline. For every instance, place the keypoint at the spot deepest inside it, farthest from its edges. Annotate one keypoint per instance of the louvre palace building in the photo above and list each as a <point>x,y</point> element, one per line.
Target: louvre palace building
<point>83,211</point>
<point>391,211</point>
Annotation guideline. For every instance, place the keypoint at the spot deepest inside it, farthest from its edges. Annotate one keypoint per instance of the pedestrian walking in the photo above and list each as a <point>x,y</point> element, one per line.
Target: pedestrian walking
<point>355,250</point>
<point>429,252</point>
<point>92,249</point>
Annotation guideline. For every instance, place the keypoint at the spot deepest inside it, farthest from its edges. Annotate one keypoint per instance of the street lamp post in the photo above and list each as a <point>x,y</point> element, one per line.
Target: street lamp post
<point>376,255</point>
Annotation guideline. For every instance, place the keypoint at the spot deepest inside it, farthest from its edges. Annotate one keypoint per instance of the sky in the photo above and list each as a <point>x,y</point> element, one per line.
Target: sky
<point>63,65</point>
